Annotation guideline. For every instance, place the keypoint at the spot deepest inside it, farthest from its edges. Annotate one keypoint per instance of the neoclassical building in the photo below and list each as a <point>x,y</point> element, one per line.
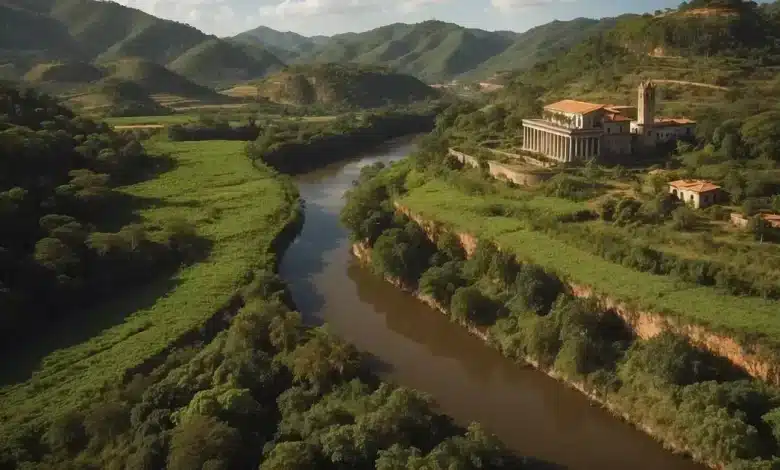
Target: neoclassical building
<point>575,130</point>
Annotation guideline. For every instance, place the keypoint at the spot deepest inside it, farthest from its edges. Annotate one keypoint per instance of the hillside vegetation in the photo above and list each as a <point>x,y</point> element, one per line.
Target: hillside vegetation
<point>708,67</point>
<point>433,51</point>
<point>89,30</point>
<point>285,45</point>
<point>541,44</point>
<point>123,87</point>
<point>349,85</point>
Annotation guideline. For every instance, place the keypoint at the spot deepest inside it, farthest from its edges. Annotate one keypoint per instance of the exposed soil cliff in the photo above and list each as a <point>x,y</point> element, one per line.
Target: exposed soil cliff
<point>759,364</point>
<point>363,253</point>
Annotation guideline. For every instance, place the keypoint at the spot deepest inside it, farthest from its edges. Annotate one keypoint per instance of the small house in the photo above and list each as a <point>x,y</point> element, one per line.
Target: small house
<point>742,221</point>
<point>696,193</point>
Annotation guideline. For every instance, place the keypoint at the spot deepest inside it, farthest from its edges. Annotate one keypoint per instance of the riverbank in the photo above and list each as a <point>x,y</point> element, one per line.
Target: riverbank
<point>363,253</point>
<point>295,149</point>
<point>688,396</point>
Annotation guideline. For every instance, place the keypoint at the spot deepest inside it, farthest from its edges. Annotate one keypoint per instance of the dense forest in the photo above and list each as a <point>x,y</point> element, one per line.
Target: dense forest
<point>68,238</point>
<point>692,399</point>
<point>293,147</point>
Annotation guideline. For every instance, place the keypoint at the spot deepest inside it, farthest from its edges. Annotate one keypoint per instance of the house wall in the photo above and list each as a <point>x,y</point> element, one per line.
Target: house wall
<point>669,133</point>
<point>694,199</point>
<point>617,144</point>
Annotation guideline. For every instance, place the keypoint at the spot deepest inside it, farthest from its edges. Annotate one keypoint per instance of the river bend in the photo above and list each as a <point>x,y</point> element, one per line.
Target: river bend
<point>418,347</point>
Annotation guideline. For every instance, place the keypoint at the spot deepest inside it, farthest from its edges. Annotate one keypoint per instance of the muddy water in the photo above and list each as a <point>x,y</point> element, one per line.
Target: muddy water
<point>419,348</point>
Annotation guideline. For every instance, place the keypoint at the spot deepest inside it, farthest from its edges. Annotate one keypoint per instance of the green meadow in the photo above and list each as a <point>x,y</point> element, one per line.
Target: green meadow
<point>238,208</point>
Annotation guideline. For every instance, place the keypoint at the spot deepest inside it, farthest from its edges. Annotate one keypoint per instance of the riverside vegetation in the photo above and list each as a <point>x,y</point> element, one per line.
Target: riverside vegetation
<point>198,359</point>
<point>688,398</point>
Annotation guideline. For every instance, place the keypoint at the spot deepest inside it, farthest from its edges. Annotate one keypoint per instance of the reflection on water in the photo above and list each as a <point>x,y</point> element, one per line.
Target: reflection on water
<point>418,347</point>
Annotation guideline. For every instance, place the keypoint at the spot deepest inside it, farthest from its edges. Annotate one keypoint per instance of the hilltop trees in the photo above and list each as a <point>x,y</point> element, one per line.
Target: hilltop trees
<point>67,239</point>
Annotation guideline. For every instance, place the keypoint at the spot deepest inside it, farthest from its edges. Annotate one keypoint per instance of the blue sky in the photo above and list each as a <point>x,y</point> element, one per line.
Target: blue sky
<point>310,17</point>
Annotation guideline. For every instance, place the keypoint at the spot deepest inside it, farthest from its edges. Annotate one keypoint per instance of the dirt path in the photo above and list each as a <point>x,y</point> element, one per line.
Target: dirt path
<point>684,82</point>
<point>139,126</point>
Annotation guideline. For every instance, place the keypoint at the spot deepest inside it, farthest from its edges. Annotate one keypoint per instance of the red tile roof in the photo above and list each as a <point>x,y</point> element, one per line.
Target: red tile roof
<point>697,186</point>
<point>618,118</point>
<point>574,107</point>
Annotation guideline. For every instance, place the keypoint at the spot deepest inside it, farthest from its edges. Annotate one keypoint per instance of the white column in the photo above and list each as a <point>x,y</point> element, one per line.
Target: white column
<point>569,148</point>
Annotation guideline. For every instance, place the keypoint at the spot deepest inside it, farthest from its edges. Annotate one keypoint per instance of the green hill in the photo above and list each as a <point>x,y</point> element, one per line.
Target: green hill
<point>117,97</point>
<point>89,30</point>
<point>64,72</point>
<point>284,44</point>
<point>433,51</point>
<point>348,85</point>
<point>122,87</point>
<point>156,79</point>
<point>542,43</point>
<point>216,62</point>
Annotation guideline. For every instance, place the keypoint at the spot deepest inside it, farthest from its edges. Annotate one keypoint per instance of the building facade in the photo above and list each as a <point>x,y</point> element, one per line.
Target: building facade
<point>696,193</point>
<point>572,130</point>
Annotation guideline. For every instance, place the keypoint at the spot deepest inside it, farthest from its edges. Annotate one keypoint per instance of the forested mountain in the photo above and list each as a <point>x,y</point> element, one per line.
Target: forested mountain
<point>433,51</point>
<point>286,45</point>
<point>35,31</point>
<point>349,85</point>
<point>543,43</point>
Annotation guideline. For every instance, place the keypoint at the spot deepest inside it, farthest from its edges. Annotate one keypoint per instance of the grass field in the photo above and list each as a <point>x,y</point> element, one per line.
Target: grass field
<point>185,118</point>
<point>746,317</point>
<point>239,208</point>
<point>152,120</point>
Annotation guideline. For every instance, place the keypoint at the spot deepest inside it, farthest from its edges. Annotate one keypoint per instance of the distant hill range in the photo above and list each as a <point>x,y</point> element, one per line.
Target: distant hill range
<point>78,44</point>
<point>433,51</point>
<point>35,31</point>
<point>351,85</point>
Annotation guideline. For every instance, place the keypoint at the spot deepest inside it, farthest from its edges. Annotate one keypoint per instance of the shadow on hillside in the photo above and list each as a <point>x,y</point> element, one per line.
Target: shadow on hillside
<point>83,323</point>
<point>154,166</point>
<point>126,209</point>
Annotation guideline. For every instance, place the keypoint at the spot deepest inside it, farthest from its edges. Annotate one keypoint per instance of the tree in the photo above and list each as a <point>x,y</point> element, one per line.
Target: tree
<point>202,441</point>
<point>684,218</point>
<point>291,456</point>
<point>469,305</point>
<point>761,133</point>
<point>67,434</point>
<point>441,282</point>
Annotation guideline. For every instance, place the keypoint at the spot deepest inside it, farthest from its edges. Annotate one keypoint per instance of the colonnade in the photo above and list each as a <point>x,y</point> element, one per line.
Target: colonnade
<point>564,148</point>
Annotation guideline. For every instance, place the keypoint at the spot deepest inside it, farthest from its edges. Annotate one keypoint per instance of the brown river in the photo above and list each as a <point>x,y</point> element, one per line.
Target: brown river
<point>418,347</point>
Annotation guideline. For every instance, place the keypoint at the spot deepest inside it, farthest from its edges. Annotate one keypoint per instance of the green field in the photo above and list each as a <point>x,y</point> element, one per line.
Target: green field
<point>186,118</point>
<point>748,318</point>
<point>152,120</point>
<point>239,208</point>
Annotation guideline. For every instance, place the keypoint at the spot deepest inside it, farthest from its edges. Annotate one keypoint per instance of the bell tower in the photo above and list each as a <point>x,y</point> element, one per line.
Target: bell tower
<point>646,105</point>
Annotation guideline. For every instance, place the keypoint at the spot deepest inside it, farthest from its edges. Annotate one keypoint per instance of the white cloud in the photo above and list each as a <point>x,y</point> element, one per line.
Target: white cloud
<point>227,17</point>
<point>307,8</point>
<point>287,9</point>
<point>509,5</point>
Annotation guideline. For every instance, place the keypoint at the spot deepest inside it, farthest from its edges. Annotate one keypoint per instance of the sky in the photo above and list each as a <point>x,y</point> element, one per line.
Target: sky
<point>313,17</point>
